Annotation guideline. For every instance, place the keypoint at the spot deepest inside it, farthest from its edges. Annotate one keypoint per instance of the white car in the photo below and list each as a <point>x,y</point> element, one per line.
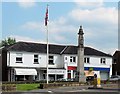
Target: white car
<point>114,78</point>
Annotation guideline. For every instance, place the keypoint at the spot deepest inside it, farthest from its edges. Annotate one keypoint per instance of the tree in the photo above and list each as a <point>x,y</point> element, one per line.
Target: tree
<point>7,41</point>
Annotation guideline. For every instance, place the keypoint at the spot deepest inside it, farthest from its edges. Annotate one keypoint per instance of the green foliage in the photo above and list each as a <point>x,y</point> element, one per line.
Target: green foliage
<point>26,87</point>
<point>7,41</point>
<point>90,69</point>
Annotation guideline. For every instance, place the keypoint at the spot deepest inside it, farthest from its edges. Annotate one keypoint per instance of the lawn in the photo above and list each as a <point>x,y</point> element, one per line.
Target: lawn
<point>26,87</point>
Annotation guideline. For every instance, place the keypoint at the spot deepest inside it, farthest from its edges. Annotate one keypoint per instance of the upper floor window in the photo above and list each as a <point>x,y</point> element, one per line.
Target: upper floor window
<point>87,60</point>
<point>19,58</point>
<point>65,58</point>
<point>72,59</point>
<point>103,61</point>
<point>114,61</point>
<point>36,60</point>
<point>51,60</point>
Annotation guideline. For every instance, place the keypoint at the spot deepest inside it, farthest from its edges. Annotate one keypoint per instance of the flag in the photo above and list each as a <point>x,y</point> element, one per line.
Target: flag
<point>46,16</point>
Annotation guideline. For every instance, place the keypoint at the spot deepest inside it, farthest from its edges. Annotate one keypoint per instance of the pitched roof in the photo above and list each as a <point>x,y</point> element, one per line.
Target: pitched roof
<point>35,47</point>
<point>53,49</point>
<point>116,54</point>
<point>87,51</point>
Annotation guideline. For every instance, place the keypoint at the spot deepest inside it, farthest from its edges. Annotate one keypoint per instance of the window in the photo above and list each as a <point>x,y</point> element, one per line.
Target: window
<point>65,58</point>
<point>114,61</point>
<point>36,60</point>
<point>69,71</point>
<point>102,60</point>
<point>19,58</point>
<point>72,59</point>
<point>51,60</point>
<point>87,60</point>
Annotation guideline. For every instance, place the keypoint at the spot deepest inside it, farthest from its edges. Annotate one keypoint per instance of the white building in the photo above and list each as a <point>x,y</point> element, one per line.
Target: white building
<point>27,61</point>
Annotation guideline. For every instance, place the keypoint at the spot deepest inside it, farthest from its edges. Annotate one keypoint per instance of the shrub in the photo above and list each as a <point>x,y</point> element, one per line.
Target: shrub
<point>41,86</point>
<point>8,87</point>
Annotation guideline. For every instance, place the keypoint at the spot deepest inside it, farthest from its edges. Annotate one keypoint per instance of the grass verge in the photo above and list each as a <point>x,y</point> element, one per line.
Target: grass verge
<point>26,87</point>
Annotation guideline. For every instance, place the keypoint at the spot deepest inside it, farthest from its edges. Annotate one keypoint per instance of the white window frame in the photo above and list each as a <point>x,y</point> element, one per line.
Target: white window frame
<point>37,58</point>
<point>51,59</point>
<point>87,60</point>
<point>20,56</point>
<point>103,60</point>
<point>73,59</point>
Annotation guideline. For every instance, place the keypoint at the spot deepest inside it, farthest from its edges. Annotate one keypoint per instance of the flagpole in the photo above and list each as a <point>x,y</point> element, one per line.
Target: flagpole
<point>46,24</point>
<point>47,52</point>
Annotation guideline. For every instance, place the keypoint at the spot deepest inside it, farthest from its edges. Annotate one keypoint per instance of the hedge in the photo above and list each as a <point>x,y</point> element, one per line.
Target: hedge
<point>8,87</point>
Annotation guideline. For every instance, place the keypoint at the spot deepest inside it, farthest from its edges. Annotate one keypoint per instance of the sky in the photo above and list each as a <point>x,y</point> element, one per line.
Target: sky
<point>24,21</point>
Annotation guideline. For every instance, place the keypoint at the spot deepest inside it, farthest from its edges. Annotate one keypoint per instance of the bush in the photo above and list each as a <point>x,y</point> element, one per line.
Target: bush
<point>41,86</point>
<point>8,87</point>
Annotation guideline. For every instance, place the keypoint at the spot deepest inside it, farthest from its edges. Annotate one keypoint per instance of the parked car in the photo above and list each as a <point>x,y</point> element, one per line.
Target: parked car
<point>114,78</point>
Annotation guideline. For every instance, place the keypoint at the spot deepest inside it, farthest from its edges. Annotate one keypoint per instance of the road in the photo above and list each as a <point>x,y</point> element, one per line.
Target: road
<point>72,90</point>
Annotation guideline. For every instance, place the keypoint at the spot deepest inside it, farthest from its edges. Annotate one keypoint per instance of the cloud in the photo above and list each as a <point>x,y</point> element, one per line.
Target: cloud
<point>57,30</point>
<point>26,39</point>
<point>89,4</point>
<point>100,26</point>
<point>26,3</point>
<point>31,26</point>
<point>101,15</point>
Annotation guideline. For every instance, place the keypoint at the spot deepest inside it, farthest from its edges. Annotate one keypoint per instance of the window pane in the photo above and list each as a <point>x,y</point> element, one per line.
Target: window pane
<point>50,57</point>
<point>104,60</point>
<point>70,60</point>
<point>101,60</point>
<point>35,56</point>
<point>85,60</point>
<point>35,60</point>
<point>88,60</point>
<point>51,60</point>
<point>18,59</point>
<point>74,59</point>
<point>45,71</point>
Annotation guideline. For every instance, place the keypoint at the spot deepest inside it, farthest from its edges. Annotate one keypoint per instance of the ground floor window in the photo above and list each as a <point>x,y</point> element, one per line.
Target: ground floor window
<point>55,77</point>
<point>24,77</point>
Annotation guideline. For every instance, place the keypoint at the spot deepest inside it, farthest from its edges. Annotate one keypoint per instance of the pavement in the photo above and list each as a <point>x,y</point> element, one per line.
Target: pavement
<point>83,89</point>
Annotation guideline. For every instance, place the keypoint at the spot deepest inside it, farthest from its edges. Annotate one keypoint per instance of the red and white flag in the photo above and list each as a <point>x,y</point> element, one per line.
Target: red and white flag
<point>46,16</point>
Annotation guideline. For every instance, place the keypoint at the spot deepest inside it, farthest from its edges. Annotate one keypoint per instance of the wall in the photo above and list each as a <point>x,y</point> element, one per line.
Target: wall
<point>28,60</point>
<point>94,62</point>
<point>68,60</point>
<point>4,66</point>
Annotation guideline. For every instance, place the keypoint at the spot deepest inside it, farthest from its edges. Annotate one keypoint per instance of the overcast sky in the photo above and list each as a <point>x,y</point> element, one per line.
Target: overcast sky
<point>25,22</point>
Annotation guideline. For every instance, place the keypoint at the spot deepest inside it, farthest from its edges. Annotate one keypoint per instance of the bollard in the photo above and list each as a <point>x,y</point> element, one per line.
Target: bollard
<point>98,82</point>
